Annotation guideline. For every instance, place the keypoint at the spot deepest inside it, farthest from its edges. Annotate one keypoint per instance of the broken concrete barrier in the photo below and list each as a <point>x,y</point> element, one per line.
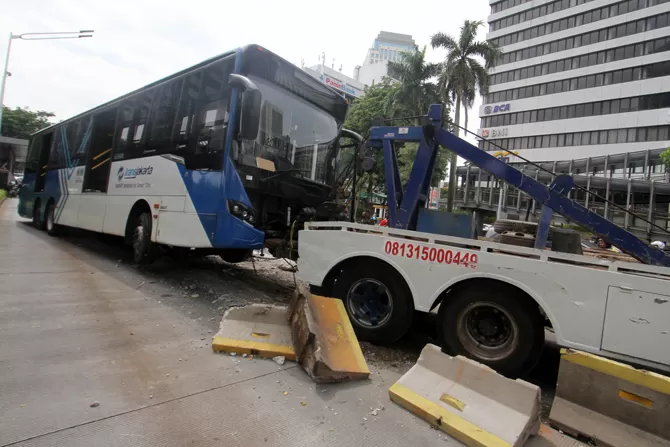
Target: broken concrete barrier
<point>468,400</point>
<point>256,329</point>
<point>324,340</point>
<point>611,402</point>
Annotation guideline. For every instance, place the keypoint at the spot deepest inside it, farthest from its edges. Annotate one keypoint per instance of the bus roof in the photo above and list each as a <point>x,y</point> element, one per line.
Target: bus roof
<point>330,92</point>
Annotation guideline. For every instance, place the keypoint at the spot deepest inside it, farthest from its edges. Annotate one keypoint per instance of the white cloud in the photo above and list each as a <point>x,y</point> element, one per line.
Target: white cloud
<point>137,42</point>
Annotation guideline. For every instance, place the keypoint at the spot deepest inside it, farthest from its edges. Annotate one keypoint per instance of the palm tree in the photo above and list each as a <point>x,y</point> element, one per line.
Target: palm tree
<point>461,75</point>
<point>415,92</point>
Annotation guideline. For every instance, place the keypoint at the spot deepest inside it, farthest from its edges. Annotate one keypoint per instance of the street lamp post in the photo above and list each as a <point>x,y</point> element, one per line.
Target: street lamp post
<point>34,36</point>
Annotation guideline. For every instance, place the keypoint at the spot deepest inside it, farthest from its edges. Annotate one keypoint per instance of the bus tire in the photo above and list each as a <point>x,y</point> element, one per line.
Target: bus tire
<point>377,300</point>
<point>235,255</point>
<point>494,325</point>
<point>143,249</point>
<point>53,229</point>
<point>38,221</point>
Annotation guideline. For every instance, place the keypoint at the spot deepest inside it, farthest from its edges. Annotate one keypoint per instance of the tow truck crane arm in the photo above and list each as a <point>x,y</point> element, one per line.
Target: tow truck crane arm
<point>404,205</point>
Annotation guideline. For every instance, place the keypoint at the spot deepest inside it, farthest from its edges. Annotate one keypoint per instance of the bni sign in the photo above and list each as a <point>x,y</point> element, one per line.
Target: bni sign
<point>496,109</point>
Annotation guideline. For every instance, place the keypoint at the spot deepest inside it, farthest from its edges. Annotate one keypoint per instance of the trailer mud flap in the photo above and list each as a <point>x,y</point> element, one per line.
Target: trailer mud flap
<point>468,400</point>
<point>611,402</point>
<point>256,329</point>
<point>324,340</point>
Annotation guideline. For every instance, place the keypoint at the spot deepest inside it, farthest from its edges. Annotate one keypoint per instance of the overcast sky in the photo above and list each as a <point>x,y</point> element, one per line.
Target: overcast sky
<point>139,41</point>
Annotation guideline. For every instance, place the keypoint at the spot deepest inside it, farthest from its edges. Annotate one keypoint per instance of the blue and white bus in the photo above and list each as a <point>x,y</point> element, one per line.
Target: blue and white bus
<point>219,158</point>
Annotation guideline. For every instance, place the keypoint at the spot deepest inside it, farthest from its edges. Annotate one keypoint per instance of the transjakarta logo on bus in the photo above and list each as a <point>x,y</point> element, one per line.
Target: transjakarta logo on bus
<point>133,172</point>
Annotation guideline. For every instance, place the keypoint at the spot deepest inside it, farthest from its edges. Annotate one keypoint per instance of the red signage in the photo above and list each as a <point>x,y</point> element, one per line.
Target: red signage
<point>334,83</point>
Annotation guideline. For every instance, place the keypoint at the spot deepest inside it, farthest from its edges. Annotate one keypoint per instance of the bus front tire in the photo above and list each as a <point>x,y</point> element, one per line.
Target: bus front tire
<point>493,325</point>
<point>53,229</point>
<point>143,250</point>
<point>235,255</point>
<point>377,301</point>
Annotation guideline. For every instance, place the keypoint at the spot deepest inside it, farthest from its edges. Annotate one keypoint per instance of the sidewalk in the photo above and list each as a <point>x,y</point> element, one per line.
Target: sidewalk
<point>71,336</point>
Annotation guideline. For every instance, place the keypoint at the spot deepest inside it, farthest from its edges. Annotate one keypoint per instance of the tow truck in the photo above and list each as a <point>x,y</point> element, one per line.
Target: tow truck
<point>493,301</point>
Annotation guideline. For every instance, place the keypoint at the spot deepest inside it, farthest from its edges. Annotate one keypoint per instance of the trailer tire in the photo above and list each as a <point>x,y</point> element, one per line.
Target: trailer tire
<point>494,325</point>
<point>377,300</point>
<point>143,249</point>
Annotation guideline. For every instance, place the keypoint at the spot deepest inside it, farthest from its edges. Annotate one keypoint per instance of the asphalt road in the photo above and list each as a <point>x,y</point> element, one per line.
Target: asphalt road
<point>96,351</point>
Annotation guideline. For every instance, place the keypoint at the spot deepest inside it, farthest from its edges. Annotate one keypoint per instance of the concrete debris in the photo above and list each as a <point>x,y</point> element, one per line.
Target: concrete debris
<point>280,359</point>
<point>375,412</point>
<point>233,354</point>
<point>244,355</point>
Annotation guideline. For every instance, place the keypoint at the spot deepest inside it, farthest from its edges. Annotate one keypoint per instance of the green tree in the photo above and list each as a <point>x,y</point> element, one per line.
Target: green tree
<point>22,122</point>
<point>665,158</point>
<point>463,72</point>
<point>415,91</point>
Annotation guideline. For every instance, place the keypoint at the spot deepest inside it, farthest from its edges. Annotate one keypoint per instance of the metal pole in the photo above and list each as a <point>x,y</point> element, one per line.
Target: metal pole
<point>650,215</point>
<point>4,79</point>
<point>501,193</point>
<point>627,215</point>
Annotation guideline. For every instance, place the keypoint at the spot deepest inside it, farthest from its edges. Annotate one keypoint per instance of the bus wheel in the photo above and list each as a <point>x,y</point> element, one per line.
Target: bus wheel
<point>52,227</point>
<point>234,255</point>
<point>377,300</point>
<point>141,239</point>
<point>493,325</point>
<point>38,221</point>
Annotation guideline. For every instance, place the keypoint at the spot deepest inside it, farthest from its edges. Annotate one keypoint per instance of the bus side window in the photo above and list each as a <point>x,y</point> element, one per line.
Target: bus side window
<point>212,115</point>
<point>57,154</point>
<point>33,157</point>
<point>125,121</point>
<point>81,142</point>
<point>163,116</point>
<point>186,113</point>
<point>143,109</point>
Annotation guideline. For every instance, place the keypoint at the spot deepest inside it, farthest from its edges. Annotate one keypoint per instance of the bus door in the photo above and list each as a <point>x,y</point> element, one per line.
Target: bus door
<point>91,215</point>
<point>99,157</point>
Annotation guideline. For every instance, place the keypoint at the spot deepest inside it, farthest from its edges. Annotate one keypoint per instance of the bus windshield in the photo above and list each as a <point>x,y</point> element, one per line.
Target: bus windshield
<point>294,134</point>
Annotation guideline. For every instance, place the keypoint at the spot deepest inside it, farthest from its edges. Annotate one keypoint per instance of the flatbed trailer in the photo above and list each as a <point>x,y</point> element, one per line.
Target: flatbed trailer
<point>494,300</point>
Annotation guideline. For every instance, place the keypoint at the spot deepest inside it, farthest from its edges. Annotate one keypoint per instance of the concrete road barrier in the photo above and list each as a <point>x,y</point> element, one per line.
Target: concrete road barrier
<point>257,329</point>
<point>613,403</point>
<point>324,340</point>
<point>468,400</point>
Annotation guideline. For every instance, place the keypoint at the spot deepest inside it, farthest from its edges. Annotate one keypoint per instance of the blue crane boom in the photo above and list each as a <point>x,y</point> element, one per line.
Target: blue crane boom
<point>404,203</point>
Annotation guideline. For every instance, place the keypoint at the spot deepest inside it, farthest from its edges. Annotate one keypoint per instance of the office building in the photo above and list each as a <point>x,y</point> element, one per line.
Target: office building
<point>578,78</point>
<point>386,47</point>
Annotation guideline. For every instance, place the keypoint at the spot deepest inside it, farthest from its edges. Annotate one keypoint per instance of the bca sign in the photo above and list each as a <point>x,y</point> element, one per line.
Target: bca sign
<point>496,109</point>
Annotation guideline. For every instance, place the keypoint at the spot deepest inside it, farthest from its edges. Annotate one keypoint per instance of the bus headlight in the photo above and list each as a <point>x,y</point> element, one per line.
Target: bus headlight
<point>241,211</point>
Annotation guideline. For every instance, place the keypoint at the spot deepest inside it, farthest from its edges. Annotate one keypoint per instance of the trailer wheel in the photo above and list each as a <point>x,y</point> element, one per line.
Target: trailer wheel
<point>377,300</point>
<point>143,252</point>
<point>493,325</point>
<point>53,229</point>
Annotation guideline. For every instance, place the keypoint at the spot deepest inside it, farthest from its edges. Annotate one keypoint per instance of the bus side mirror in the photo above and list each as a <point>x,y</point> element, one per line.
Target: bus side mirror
<point>250,110</point>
